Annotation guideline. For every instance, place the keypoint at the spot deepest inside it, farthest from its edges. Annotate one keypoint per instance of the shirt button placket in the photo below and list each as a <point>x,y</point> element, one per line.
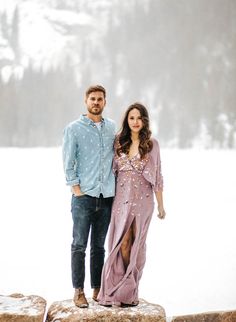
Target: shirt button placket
<point>102,157</point>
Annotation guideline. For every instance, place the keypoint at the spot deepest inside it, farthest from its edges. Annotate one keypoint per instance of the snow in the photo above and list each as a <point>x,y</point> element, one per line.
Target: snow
<point>191,255</point>
<point>44,39</point>
<point>69,18</point>
<point>18,306</point>
<point>38,38</point>
<point>8,5</point>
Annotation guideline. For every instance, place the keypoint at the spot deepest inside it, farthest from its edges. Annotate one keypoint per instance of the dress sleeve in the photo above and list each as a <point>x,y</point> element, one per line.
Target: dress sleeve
<point>158,174</point>
<point>114,167</point>
<point>114,163</point>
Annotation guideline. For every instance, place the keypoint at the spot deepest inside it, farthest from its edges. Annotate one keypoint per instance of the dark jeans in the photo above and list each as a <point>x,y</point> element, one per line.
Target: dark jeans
<point>89,213</point>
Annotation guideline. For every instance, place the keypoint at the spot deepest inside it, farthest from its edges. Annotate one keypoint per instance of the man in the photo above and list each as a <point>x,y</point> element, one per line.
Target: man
<point>87,157</point>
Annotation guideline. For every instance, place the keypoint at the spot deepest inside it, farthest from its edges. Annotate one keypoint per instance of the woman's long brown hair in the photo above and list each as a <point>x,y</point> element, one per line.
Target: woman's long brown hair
<point>124,137</point>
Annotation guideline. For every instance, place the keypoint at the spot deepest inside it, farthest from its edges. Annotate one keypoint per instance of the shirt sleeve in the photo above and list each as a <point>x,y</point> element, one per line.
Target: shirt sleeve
<point>159,178</point>
<point>69,151</point>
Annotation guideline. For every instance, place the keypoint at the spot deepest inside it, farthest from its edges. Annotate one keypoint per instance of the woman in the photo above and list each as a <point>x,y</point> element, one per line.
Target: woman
<point>138,170</point>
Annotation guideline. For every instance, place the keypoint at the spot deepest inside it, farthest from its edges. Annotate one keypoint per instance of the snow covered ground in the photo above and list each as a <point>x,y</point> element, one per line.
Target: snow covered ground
<point>191,256</point>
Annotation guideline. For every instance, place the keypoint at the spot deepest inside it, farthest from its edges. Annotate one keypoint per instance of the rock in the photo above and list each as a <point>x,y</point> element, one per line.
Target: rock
<point>20,308</point>
<point>66,311</point>
<point>228,316</point>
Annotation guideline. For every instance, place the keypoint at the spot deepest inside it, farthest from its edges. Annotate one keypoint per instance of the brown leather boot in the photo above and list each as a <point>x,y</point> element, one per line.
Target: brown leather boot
<point>80,299</point>
<point>95,294</point>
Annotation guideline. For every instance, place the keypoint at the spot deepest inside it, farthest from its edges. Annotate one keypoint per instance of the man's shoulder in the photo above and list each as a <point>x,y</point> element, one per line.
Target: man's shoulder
<point>110,124</point>
<point>74,125</point>
<point>109,121</point>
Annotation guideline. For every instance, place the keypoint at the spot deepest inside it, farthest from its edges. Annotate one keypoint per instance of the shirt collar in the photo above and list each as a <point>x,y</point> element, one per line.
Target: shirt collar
<point>87,120</point>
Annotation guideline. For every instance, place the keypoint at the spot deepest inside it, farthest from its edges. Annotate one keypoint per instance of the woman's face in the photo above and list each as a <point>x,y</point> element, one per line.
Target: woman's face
<point>135,121</point>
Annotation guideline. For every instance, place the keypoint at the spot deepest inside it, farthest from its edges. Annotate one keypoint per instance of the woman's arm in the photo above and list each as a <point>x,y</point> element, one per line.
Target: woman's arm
<point>159,186</point>
<point>160,207</point>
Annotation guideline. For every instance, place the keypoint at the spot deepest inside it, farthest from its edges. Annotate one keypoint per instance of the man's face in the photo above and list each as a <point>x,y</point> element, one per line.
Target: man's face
<point>95,103</point>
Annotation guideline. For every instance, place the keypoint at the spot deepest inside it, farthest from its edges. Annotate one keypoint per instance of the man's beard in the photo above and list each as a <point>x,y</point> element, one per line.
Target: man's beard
<point>98,110</point>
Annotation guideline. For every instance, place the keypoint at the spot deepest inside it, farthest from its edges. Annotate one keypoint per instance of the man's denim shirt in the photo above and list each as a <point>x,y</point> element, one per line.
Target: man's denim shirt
<point>87,156</point>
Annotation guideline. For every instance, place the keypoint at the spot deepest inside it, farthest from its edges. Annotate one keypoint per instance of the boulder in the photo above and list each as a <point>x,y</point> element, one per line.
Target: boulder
<point>66,311</point>
<point>20,308</point>
<point>224,316</point>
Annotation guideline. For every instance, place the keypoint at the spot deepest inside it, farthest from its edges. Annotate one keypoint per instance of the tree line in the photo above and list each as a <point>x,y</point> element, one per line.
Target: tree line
<point>177,57</point>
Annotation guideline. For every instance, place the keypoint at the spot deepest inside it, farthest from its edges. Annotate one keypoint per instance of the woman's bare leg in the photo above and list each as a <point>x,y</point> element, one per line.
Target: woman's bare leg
<point>127,243</point>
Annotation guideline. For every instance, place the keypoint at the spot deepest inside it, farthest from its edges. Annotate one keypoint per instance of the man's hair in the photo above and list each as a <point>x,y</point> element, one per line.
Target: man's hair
<point>95,88</point>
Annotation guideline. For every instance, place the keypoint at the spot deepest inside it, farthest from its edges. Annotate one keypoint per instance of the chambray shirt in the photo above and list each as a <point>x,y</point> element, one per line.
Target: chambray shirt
<point>87,156</point>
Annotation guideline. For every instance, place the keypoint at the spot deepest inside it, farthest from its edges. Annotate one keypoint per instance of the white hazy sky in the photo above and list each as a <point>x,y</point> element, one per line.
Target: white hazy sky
<point>191,256</point>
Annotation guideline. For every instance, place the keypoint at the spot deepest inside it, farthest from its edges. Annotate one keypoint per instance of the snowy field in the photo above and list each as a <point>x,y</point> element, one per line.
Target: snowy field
<point>191,255</point>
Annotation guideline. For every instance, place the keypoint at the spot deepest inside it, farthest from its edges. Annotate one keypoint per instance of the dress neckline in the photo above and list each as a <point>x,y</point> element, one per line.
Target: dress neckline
<point>133,157</point>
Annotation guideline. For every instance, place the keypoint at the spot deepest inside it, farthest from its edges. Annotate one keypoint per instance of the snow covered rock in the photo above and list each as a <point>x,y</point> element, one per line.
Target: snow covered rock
<point>66,311</point>
<point>20,308</point>
<point>227,316</point>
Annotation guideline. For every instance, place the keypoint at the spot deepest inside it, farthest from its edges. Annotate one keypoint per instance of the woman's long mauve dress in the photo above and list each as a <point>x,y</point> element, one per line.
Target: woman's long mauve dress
<point>134,201</point>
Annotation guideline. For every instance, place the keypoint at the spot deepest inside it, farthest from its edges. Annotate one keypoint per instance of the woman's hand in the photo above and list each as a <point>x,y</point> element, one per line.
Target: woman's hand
<point>161,213</point>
